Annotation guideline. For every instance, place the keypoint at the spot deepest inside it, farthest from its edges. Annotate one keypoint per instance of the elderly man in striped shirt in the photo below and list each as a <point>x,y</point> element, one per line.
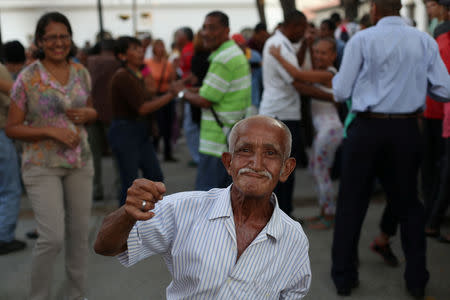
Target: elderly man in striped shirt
<point>231,243</point>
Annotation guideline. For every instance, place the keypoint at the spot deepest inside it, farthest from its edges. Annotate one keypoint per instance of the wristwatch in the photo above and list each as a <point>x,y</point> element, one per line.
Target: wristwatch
<point>181,94</point>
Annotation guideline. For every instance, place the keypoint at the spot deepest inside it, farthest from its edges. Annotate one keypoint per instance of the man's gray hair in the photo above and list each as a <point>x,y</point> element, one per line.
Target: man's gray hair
<point>232,137</point>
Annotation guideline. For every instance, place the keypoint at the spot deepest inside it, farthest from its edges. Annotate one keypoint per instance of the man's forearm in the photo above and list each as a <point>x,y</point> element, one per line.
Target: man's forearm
<point>312,91</point>
<point>196,99</point>
<point>113,235</point>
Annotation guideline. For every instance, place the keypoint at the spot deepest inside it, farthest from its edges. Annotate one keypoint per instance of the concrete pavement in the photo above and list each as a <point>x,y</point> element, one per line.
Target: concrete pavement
<point>107,279</point>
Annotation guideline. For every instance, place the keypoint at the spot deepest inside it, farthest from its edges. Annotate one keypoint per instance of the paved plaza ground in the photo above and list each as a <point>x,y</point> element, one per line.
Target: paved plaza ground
<point>107,279</point>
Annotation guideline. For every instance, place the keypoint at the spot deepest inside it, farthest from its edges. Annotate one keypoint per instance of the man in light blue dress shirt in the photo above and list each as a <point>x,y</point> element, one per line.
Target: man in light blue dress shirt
<point>233,243</point>
<point>387,70</point>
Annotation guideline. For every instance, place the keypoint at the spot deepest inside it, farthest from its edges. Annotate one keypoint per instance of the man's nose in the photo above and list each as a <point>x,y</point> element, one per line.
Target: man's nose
<point>257,161</point>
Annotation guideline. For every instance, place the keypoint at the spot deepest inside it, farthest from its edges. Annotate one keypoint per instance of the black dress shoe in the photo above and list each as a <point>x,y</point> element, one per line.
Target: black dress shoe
<point>347,290</point>
<point>417,293</point>
<point>13,246</point>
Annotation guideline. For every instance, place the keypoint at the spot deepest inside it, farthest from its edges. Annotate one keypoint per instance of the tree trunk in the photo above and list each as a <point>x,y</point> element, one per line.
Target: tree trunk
<point>261,12</point>
<point>351,9</point>
<point>288,6</point>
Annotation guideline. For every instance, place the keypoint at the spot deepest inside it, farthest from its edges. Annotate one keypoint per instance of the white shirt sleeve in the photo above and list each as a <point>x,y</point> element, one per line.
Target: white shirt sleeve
<point>154,236</point>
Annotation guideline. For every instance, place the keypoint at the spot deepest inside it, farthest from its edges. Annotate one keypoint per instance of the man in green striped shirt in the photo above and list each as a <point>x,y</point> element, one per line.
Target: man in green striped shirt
<point>224,97</point>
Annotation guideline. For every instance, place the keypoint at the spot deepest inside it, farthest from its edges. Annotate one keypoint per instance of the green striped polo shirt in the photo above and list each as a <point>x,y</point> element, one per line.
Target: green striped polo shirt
<point>227,86</point>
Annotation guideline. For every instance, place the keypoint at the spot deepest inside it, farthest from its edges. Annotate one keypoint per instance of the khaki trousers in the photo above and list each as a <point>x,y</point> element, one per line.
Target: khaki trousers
<point>61,199</point>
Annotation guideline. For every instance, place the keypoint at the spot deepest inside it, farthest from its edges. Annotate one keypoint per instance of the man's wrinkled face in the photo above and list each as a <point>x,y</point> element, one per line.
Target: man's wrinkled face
<point>323,55</point>
<point>257,161</point>
<point>214,33</point>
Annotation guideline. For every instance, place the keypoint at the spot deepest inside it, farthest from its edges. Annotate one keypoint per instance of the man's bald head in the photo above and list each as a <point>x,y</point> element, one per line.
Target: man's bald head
<point>261,120</point>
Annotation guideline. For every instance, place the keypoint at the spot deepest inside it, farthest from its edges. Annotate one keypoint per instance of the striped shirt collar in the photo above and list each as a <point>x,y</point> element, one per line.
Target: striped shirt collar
<point>222,209</point>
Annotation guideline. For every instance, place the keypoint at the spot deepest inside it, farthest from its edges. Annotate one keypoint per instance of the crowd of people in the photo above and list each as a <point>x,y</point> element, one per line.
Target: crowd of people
<point>351,101</point>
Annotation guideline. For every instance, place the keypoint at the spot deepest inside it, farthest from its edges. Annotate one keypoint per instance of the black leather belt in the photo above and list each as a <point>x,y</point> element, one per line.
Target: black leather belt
<point>374,115</point>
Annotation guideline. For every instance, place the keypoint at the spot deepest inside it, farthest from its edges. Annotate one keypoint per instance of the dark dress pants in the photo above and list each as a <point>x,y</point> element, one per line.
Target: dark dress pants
<point>285,190</point>
<point>131,145</point>
<point>391,150</point>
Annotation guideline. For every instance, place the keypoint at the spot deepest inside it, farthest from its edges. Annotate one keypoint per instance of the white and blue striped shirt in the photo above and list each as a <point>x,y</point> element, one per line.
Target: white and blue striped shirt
<point>195,234</point>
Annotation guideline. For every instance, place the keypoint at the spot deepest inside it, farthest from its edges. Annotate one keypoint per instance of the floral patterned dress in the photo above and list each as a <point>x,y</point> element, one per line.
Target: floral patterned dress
<point>45,101</point>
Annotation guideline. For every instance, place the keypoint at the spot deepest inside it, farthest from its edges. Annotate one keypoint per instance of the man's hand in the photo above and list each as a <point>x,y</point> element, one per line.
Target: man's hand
<point>177,86</point>
<point>66,136</point>
<point>275,51</point>
<point>78,116</point>
<point>142,197</point>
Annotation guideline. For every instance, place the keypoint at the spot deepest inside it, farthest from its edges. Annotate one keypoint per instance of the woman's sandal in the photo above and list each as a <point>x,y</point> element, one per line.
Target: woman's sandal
<point>322,224</point>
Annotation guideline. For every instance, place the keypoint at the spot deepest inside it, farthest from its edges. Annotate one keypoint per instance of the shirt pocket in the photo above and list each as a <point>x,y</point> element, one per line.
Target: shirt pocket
<point>259,290</point>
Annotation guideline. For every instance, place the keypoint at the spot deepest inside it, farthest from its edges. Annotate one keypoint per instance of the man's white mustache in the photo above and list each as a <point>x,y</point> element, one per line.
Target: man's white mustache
<point>261,173</point>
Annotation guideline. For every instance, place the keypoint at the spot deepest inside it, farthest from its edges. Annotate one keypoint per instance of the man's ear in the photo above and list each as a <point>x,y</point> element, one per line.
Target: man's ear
<point>288,168</point>
<point>226,160</point>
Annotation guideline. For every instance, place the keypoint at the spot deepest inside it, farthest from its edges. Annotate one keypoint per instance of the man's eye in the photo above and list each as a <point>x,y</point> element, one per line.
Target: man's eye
<point>270,152</point>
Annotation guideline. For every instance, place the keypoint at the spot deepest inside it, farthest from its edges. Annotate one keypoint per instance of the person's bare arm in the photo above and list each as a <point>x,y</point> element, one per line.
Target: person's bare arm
<point>155,104</point>
<point>6,85</point>
<point>192,95</point>
<point>113,235</point>
<point>16,129</point>
<point>315,76</point>
<point>197,100</point>
<point>312,91</point>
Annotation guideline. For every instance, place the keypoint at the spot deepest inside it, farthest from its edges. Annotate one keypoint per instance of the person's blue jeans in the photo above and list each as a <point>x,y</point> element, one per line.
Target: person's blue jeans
<point>211,173</point>
<point>192,133</point>
<point>130,143</point>
<point>10,188</point>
